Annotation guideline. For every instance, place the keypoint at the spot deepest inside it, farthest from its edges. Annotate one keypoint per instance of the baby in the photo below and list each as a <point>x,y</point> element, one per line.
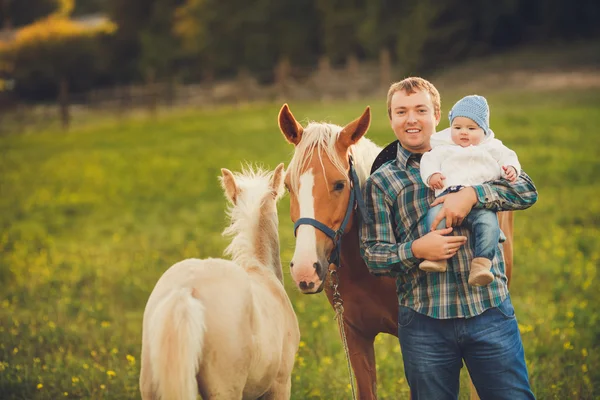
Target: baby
<point>469,156</point>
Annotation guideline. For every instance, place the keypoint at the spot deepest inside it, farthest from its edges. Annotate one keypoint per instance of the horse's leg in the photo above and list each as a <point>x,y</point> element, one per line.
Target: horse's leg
<point>221,387</point>
<point>146,375</point>
<point>281,390</point>
<point>362,358</point>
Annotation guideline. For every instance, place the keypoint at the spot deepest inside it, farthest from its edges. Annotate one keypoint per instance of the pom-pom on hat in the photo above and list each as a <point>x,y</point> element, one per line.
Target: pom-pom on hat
<point>473,107</point>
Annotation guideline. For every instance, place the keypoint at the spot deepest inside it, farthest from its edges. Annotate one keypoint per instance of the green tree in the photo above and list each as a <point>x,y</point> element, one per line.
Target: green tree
<point>339,27</point>
<point>15,13</point>
<point>54,47</point>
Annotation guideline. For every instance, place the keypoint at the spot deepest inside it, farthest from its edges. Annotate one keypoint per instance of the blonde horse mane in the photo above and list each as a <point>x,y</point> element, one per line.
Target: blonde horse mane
<point>247,218</point>
<point>321,138</point>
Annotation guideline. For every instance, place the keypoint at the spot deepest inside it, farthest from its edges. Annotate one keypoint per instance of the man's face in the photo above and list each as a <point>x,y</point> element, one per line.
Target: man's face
<point>413,120</point>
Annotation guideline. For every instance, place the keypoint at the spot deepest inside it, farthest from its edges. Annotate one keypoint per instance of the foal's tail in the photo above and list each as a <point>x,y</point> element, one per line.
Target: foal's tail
<point>177,337</point>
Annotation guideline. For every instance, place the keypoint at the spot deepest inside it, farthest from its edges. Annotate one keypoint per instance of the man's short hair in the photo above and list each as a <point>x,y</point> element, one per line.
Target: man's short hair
<point>411,85</point>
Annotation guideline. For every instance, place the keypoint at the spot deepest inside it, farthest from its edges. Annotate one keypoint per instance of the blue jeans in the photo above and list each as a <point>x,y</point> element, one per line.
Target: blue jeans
<point>490,345</point>
<point>483,225</point>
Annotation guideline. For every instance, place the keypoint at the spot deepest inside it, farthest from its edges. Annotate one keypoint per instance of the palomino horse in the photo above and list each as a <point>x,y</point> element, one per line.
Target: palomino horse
<point>319,179</point>
<point>225,328</point>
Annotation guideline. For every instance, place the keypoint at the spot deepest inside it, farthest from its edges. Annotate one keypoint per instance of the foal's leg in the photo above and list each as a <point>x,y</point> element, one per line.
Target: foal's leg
<point>362,358</point>
<point>146,389</point>
<point>279,391</point>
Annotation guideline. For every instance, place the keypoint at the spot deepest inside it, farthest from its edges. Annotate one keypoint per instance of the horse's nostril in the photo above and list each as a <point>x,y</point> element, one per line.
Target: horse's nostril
<point>291,264</point>
<point>303,285</point>
<point>317,265</point>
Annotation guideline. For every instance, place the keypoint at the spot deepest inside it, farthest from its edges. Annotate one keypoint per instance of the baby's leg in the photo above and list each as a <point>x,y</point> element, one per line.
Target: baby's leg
<point>431,214</point>
<point>483,225</point>
<point>428,265</point>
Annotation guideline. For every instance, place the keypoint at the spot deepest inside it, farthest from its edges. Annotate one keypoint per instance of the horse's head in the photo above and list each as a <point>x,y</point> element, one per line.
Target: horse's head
<point>253,196</point>
<point>320,190</point>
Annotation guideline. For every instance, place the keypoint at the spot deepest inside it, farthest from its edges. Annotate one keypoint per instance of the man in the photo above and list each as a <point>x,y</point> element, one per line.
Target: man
<point>442,320</point>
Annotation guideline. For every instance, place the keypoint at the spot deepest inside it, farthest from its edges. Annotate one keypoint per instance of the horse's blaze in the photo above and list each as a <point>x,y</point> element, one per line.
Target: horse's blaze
<point>305,256</point>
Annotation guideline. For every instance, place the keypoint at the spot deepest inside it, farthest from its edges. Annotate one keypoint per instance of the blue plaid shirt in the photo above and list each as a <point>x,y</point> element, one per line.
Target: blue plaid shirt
<point>397,201</point>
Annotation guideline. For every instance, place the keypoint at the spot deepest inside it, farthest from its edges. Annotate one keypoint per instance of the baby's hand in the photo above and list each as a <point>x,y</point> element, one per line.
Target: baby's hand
<point>436,181</point>
<point>510,173</point>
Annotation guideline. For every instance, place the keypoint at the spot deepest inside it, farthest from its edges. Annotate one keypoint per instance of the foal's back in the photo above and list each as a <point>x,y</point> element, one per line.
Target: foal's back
<point>225,328</point>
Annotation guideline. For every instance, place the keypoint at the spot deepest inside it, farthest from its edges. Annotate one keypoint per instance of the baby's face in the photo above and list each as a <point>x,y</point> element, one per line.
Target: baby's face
<point>465,132</point>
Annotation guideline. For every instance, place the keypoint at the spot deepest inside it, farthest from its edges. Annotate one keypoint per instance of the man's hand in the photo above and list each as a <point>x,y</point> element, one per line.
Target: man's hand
<point>436,181</point>
<point>436,246</point>
<point>510,173</point>
<point>456,207</point>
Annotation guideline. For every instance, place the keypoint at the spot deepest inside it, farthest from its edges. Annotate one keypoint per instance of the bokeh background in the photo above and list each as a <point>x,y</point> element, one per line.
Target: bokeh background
<point>116,117</point>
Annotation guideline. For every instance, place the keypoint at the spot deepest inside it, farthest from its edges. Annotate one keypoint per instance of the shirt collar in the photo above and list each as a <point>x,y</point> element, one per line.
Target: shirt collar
<point>404,155</point>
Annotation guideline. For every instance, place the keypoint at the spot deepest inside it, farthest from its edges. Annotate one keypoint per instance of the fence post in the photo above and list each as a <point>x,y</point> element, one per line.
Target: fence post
<point>352,74</point>
<point>385,68</point>
<point>323,78</point>
<point>282,74</point>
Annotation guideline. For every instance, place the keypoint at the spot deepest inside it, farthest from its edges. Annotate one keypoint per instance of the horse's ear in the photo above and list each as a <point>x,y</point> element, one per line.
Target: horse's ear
<point>291,129</point>
<point>356,129</point>
<point>228,183</point>
<point>277,181</point>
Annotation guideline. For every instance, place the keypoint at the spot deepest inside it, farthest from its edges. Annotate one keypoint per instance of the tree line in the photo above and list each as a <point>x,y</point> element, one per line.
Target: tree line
<point>203,40</point>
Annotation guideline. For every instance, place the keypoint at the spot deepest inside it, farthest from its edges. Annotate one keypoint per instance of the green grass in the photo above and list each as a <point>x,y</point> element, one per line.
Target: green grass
<point>90,219</point>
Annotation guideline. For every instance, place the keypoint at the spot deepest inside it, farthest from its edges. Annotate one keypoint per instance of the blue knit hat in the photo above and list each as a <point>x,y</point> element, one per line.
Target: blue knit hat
<point>474,107</point>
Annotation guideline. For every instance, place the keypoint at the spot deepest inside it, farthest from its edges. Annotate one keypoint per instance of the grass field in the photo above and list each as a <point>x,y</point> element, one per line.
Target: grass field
<point>90,219</point>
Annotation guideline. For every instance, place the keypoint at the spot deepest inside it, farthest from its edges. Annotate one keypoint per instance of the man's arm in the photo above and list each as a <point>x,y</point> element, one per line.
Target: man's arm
<point>379,249</point>
<point>499,195</point>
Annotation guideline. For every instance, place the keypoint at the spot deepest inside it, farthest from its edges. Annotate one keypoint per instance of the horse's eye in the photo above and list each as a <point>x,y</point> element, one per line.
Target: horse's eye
<point>338,186</point>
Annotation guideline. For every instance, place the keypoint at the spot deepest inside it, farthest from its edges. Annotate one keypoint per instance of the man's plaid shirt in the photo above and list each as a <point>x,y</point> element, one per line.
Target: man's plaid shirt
<point>397,201</point>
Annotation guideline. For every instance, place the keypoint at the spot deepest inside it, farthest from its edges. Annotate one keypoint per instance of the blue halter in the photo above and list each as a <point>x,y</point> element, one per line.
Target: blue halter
<point>336,236</point>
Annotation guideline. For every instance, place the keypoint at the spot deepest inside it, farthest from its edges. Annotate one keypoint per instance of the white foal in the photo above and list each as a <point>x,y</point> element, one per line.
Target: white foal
<point>225,329</point>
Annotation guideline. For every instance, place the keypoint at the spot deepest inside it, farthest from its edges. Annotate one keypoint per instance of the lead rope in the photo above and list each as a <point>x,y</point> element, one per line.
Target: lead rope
<point>338,305</point>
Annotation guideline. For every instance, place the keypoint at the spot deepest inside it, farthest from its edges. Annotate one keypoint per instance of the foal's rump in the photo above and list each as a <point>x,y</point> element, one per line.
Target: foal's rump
<point>195,317</point>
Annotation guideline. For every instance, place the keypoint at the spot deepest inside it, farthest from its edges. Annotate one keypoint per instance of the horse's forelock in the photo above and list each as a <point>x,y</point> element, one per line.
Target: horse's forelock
<point>322,137</point>
<point>317,138</point>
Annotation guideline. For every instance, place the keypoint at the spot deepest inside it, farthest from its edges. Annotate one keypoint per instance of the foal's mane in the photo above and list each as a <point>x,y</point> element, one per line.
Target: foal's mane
<point>247,219</point>
<point>321,137</point>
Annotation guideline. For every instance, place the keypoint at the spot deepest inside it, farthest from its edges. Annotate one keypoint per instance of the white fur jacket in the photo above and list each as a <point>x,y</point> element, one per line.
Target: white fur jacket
<point>466,166</point>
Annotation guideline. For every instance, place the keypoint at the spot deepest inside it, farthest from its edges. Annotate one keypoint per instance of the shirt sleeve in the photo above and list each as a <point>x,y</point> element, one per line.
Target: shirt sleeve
<point>503,155</point>
<point>382,254</point>
<point>430,164</point>
<point>502,195</point>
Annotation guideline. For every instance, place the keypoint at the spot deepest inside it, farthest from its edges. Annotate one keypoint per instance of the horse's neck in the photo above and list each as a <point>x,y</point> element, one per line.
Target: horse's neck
<point>364,153</point>
<point>267,244</point>
<point>350,256</point>
<point>258,243</point>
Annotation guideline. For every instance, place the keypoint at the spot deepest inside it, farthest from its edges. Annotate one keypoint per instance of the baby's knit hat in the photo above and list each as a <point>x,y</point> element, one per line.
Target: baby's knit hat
<point>474,107</point>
